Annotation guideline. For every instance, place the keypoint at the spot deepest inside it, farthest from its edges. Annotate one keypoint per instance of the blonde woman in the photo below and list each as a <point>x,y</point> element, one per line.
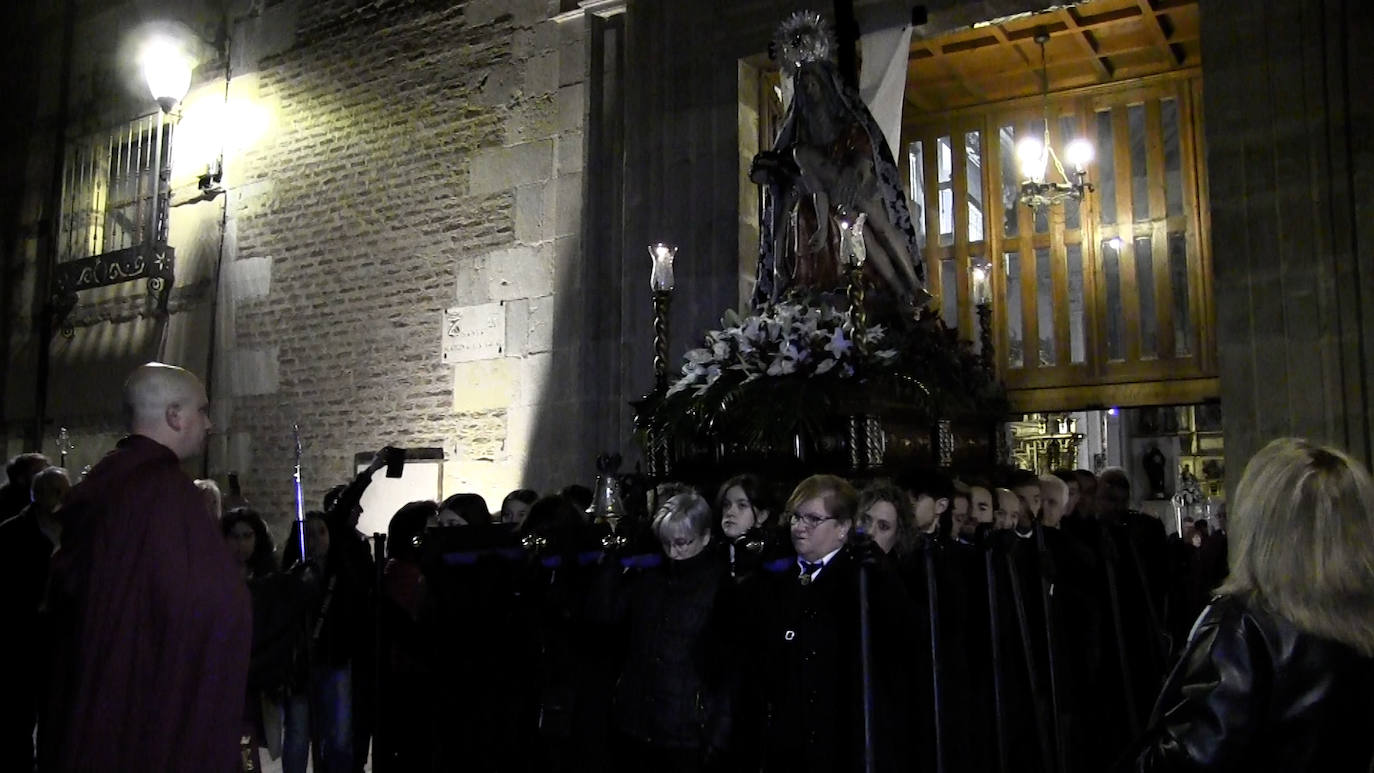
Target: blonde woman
<point>1279,670</point>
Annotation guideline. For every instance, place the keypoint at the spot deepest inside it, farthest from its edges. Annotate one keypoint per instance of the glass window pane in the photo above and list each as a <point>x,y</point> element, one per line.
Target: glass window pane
<point>1068,132</point>
<point>945,177</point>
<point>973,171</point>
<point>1111,271</point>
<point>916,167</point>
<point>949,293</point>
<point>1011,182</point>
<point>1140,175</point>
<point>1106,168</point>
<point>1178,279</point>
<point>1015,344</point>
<point>1077,348</point>
<point>1173,169</point>
<point>1145,287</point>
<point>1044,305</point>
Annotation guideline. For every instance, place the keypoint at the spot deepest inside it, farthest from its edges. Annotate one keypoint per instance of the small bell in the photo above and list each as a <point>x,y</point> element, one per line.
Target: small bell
<point>607,506</point>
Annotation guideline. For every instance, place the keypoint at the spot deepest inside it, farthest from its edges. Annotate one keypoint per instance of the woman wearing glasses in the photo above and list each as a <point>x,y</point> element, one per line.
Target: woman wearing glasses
<point>1279,671</point>
<point>806,690</point>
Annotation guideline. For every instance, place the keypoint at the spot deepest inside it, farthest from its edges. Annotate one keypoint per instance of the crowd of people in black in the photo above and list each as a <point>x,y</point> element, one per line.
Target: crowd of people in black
<point>999,622</point>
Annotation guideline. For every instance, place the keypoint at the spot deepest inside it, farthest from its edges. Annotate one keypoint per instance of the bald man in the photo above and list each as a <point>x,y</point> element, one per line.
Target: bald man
<point>151,615</point>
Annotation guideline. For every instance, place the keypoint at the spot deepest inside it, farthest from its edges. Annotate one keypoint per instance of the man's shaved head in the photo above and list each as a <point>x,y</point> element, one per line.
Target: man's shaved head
<point>167,404</point>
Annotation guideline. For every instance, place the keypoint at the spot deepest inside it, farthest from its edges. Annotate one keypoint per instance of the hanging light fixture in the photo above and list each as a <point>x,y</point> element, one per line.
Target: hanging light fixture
<point>1034,154</point>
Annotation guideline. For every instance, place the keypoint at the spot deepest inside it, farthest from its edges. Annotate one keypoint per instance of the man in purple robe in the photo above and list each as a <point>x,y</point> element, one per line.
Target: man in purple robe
<point>152,618</point>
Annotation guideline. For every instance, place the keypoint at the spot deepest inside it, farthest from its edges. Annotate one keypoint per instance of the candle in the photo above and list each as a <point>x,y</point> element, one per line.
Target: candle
<point>661,277</point>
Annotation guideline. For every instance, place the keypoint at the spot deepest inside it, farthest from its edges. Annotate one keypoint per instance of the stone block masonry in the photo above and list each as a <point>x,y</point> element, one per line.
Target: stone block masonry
<point>409,135</point>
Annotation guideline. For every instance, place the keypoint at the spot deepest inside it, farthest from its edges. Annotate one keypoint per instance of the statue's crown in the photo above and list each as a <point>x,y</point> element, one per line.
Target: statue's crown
<point>803,37</point>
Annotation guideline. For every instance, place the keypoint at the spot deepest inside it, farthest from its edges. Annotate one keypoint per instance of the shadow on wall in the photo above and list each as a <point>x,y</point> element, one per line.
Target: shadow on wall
<point>578,413</point>
<point>581,411</point>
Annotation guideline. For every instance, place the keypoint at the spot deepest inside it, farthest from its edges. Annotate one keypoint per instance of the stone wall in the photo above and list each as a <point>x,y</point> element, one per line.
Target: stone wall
<point>1291,164</point>
<point>428,156</point>
<point>384,162</point>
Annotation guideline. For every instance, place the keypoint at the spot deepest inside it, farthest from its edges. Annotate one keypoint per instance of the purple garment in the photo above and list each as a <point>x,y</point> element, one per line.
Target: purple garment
<point>153,624</point>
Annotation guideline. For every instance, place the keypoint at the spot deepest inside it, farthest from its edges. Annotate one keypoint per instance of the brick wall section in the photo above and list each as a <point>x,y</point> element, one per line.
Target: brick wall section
<point>404,132</point>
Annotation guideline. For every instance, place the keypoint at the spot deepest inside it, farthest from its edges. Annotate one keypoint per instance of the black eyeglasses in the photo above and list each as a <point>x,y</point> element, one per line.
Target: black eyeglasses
<point>811,521</point>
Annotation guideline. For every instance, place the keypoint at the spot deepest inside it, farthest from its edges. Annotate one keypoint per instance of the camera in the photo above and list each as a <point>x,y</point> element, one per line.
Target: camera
<point>395,461</point>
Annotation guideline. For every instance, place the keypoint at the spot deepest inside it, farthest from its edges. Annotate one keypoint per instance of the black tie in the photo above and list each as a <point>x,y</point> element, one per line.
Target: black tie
<point>808,569</point>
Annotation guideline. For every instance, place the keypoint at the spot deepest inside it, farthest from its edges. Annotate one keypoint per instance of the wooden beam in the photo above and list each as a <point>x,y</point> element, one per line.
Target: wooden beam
<point>1084,38</point>
<point>1150,20</point>
<point>1031,67</point>
<point>1174,392</point>
<point>1001,35</point>
<point>954,73</point>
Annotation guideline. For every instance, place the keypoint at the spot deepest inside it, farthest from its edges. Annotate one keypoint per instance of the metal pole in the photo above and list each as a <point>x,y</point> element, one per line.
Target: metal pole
<point>378,640</point>
<point>1047,599</point>
<point>662,301</point>
<point>866,670</point>
<point>659,458</point>
<point>996,634</point>
<point>1032,673</point>
<point>933,600</point>
<point>300,493</point>
<point>151,229</point>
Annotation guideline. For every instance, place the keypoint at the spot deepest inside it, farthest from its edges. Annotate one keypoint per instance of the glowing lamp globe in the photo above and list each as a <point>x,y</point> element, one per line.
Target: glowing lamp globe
<point>1079,154</point>
<point>167,70</point>
<point>1030,156</point>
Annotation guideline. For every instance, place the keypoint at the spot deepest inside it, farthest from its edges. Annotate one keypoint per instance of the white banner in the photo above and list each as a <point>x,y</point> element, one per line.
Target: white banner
<point>886,45</point>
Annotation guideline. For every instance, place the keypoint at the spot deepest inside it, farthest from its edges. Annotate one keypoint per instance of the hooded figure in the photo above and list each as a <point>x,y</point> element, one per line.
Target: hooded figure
<point>830,163</point>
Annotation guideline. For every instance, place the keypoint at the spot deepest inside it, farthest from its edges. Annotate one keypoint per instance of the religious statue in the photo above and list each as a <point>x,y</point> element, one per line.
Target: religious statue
<point>828,164</point>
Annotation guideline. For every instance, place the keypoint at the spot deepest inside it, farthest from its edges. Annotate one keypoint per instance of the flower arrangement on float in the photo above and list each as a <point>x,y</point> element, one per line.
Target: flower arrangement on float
<point>788,339</point>
<point>779,377</point>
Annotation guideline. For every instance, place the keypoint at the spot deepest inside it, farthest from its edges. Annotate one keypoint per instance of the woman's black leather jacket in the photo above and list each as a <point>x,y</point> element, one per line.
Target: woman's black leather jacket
<point>1253,693</point>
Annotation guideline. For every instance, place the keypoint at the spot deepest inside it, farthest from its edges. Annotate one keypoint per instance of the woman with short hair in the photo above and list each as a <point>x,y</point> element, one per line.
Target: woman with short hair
<point>803,710</point>
<point>1279,670</point>
<point>671,702</point>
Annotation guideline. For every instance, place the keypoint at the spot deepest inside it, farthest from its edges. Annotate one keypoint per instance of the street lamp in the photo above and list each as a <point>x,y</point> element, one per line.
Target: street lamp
<point>167,69</point>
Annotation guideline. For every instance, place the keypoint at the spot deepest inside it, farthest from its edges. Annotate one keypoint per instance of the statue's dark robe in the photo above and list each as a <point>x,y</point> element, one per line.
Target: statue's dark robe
<point>153,624</point>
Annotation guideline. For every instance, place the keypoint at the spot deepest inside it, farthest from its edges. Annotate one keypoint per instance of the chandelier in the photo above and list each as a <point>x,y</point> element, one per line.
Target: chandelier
<point>1034,155</point>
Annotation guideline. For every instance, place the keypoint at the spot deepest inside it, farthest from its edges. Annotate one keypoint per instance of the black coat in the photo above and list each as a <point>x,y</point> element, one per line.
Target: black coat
<point>807,680</point>
<point>1254,693</point>
<point>672,692</point>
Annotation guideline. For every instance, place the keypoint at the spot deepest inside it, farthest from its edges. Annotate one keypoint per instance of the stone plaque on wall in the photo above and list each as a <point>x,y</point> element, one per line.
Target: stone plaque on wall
<point>474,332</point>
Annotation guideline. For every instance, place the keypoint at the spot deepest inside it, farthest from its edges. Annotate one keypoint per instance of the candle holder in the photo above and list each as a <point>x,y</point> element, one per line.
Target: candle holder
<point>985,335</point>
<point>64,446</point>
<point>980,288</point>
<point>852,255</point>
<point>661,283</point>
<point>663,300</point>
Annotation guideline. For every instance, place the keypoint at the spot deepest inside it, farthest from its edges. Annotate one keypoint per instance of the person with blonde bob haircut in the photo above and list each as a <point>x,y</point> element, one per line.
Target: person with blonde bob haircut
<point>1279,669</point>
